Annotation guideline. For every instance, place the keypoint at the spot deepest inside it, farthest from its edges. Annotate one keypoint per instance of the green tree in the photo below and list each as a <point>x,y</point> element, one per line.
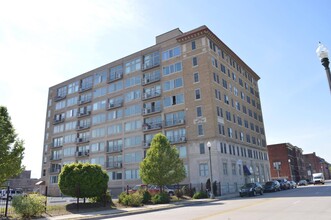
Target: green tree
<point>162,165</point>
<point>83,180</point>
<point>11,148</point>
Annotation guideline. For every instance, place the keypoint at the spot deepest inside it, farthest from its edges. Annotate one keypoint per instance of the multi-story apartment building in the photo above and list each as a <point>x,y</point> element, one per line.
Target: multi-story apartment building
<point>189,86</point>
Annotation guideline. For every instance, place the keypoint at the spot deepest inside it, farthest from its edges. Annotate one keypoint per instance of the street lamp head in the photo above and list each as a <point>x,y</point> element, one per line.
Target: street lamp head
<point>208,144</point>
<point>322,51</point>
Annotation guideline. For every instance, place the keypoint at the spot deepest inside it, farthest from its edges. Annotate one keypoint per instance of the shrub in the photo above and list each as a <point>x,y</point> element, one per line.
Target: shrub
<point>146,196</point>
<point>102,199</point>
<point>187,191</point>
<point>200,195</point>
<point>29,206</point>
<point>134,199</point>
<point>161,198</point>
<point>179,193</point>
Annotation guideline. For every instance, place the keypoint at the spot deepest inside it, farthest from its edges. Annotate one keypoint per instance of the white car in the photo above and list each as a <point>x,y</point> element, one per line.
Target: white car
<point>12,193</point>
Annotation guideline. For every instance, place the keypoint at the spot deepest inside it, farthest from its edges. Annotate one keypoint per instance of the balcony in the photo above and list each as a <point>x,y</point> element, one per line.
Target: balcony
<point>147,144</point>
<point>113,165</point>
<point>176,122</point>
<point>58,120</point>
<point>54,170</point>
<point>177,139</point>
<point>151,94</point>
<point>82,140</point>
<point>114,149</point>
<point>153,110</point>
<point>55,157</point>
<point>151,79</point>
<point>116,104</point>
<point>147,66</point>
<point>84,101</point>
<point>83,126</point>
<point>83,114</point>
<point>151,126</point>
<point>115,77</point>
<point>85,153</point>
<point>59,97</point>
<point>85,87</point>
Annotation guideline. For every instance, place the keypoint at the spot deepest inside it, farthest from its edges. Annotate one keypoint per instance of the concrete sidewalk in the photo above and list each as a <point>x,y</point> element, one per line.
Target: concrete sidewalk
<point>135,210</point>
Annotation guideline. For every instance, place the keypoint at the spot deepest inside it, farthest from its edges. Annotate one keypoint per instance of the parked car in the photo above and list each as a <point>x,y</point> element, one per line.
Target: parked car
<point>272,186</point>
<point>12,193</point>
<point>293,184</point>
<point>171,192</point>
<point>151,189</point>
<point>284,184</point>
<point>251,189</point>
<point>302,183</point>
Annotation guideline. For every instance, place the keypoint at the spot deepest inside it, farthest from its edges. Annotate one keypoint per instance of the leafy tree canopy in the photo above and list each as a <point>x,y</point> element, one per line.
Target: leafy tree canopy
<point>162,165</point>
<point>11,148</point>
<point>83,180</point>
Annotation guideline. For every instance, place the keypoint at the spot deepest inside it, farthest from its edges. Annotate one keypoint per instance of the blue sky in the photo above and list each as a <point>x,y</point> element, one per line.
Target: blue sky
<point>43,43</point>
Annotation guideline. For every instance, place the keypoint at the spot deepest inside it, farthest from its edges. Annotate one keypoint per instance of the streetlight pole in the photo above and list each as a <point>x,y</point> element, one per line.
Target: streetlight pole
<point>323,54</point>
<point>211,172</point>
<point>289,164</point>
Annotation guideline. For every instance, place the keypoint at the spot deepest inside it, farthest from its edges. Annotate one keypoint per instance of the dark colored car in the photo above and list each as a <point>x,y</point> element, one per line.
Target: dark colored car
<point>302,183</point>
<point>284,184</point>
<point>251,189</point>
<point>272,186</point>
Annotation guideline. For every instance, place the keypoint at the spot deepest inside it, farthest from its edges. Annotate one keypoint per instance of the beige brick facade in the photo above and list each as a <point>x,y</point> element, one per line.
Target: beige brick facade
<point>165,102</point>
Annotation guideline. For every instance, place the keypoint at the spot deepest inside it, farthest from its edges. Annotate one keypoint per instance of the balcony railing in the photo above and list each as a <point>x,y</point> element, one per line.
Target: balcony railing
<point>82,114</point>
<point>116,104</point>
<point>115,77</point>
<point>114,149</point>
<point>151,126</point>
<point>83,126</point>
<point>85,87</point>
<point>84,101</point>
<point>177,139</point>
<point>57,121</point>
<point>55,157</point>
<point>151,94</point>
<point>59,97</point>
<point>82,140</point>
<point>113,165</point>
<point>82,153</point>
<point>147,66</point>
<point>54,170</point>
<point>151,79</point>
<point>148,111</point>
<point>170,123</point>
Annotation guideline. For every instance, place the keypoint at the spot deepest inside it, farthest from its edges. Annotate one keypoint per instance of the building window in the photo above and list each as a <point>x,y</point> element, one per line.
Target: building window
<point>132,65</point>
<point>173,68</point>
<point>202,148</point>
<point>173,52</point>
<point>193,46</point>
<point>239,169</point>
<point>203,169</point>
<point>221,129</point>
<point>194,61</point>
<point>173,100</point>
<point>199,111</point>
<point>196,77</point>
<point>225,168</point>
<point>53,179</point>
<point>219,111</point>
<point>234,171</point>
<point>197,94</point>
<point>172,84</point>
<point>200,129</point>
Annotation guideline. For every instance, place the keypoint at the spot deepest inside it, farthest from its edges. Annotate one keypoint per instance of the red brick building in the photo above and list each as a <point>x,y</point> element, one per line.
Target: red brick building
<point>286,161</point>
<point>315,164</point>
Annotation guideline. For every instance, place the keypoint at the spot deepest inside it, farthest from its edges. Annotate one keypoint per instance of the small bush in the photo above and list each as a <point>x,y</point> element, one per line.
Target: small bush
<point>134,199</point>
<point>29,206</point>
<point>102,199</point>
<point>146,196</point>
<point>179,193</point>
<point>161,198</point>
<point>187,191</point>
<point>200,195</point>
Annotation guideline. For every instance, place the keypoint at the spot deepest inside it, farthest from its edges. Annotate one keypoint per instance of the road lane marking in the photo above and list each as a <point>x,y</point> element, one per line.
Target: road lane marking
<point>234,209</point>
